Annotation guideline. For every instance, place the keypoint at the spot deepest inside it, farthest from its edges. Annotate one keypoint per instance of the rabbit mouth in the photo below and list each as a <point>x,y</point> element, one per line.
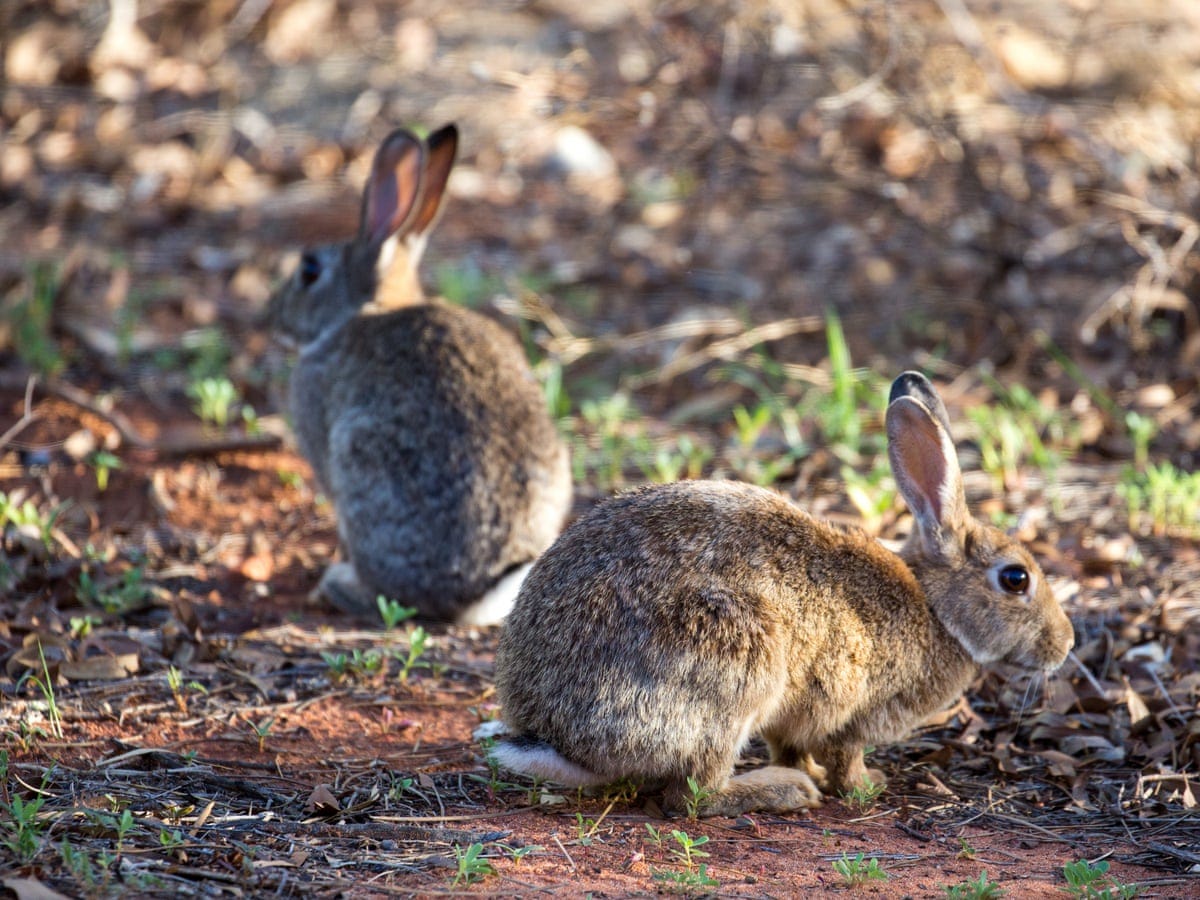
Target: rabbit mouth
<point>1038,663</point>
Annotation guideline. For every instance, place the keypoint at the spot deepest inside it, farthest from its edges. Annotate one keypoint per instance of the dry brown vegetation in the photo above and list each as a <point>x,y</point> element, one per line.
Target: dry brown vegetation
<point>671,203</point>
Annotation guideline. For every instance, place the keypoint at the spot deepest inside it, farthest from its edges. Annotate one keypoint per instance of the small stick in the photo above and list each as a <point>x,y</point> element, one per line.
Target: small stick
<point>564,850</point>
<point>26,417</point>
<point>1099,689</point>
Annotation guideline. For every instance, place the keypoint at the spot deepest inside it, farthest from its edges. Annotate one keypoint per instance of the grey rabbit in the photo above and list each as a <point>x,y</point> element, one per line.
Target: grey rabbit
<point>671,624</point>
<point>423,422</point>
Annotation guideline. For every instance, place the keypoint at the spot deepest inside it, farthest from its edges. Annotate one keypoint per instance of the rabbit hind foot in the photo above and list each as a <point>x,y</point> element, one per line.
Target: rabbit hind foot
<point>341,587</point>
<point>773,789</point>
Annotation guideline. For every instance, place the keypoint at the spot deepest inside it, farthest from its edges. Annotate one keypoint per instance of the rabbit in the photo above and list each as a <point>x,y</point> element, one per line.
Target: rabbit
<point>669,625</point>
<point>423,422</point>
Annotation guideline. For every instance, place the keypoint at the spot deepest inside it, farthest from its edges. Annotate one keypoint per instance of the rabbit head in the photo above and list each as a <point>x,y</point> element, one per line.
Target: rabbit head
<point>984,586</point>
<point>400,204</point>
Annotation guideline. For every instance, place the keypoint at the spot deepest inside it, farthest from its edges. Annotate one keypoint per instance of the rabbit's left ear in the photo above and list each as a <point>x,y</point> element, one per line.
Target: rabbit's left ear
<point>925,464</point>
<point>443,145</point>
<point>393,188</point>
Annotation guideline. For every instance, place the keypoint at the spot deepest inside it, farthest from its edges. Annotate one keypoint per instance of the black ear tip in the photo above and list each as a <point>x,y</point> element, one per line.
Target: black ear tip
<point>447,133</point>
<point>914,385</point>
<point>400,136</point>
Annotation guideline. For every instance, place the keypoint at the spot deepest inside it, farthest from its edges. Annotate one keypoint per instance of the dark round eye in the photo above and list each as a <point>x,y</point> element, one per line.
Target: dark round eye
<point>1013,579</point>
<point>310,269</point>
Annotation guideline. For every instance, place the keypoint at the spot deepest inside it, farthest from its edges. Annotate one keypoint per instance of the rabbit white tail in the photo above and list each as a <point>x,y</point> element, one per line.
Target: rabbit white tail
<point>530,756</point>
<point>497,603</point>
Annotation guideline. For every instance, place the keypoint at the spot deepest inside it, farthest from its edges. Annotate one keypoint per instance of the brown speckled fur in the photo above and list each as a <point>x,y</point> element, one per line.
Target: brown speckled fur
<point>669,625</point>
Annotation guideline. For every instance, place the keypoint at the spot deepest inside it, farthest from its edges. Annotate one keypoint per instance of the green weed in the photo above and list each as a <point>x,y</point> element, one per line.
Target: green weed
<point>696,797</point>
<point>655,835</point>
<point>1142,431</point>
<point>585,829</point>
<point>104,463</point>
<point>418,638</point>
<point>121,825</point>
<point>493,781</point>
<point>1091,881</point>
<point>1018,430</point>
<point>208,354</point>
<point>686,881</point>
<point>856,870</point>
<point>176,684</point>
<point>213,400</point>
<point>980,889</point>
<point>338,663</point>
<point>261,730</point>
<point>32,318</point>
<point>366,665</point>
<point>863,795</point>
<point>685,460</point>
<point>465,284</point>
<point>79,864</point>
<point>293,480</point>
<point>171,840</point>
<point>24,830</point>
<point>1163,498</point>
<point>872,494</point>
<point>688,851</point>
<point>748,458</point>
<point>617,441</point>
<point>472,866</point>
<point>45,685</point>
<point>81,626</point>
<point>558,401</point>
<point>519,853</point>
<point>128,592</point>
<point>841,423</point>
<point>393,612</point>
<point>27,517</point>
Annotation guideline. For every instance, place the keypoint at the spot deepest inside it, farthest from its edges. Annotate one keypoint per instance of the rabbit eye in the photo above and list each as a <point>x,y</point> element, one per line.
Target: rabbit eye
<point>310,269</point>
<point>1013,579</point>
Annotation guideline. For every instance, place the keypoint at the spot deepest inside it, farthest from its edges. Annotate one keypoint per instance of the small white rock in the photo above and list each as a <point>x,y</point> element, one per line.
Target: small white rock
<point>581,154</point>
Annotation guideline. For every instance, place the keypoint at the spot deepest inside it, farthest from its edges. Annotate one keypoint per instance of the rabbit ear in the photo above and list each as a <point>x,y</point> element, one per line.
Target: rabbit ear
<point>925,463</point>
<point>393,188</point>
<point>443,145</point>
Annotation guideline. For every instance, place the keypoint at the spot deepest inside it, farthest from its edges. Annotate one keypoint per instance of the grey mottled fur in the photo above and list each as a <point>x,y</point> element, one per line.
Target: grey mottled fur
<point>422,421</point>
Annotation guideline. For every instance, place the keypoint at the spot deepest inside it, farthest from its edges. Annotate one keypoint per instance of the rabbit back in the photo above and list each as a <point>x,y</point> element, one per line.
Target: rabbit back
<point>429,432</point>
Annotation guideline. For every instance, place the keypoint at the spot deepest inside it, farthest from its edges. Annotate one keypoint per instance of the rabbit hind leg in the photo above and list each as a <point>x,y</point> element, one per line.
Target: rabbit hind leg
<point>776,789</point>
<point>341,586</point>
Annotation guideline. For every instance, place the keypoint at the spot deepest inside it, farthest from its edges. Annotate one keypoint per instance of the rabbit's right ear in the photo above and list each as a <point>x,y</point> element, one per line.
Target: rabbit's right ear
<point>393,187</point>
<point>925,463</point>
<point>443,145</point>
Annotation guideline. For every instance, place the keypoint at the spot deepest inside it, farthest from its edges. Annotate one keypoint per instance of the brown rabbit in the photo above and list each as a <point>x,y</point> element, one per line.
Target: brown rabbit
<point>422,421</point>
<point>670,625</point>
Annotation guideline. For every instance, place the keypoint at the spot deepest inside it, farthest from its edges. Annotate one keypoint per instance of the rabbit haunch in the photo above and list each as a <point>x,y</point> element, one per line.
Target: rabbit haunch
<point>422,421</point>
<point>669,625</point>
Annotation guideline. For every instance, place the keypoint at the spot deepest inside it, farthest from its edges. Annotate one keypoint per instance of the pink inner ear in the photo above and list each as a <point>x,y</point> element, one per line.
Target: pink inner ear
<point>917,453</point>
<point>392,189</point>
<point>437,173</point>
